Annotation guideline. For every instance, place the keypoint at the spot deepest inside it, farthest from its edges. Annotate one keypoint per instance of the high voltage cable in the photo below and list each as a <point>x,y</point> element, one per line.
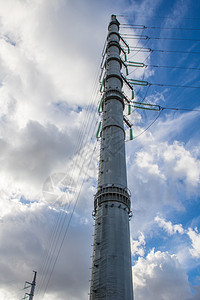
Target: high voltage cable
<point>146,37</point>
<point>76,154</point>
<point>167,67</point>
<point>184,109</point>
<point>148,126</point>
<point>66,230</point>
<point>175,85</point>
<point>172,67</point>
<point>86,126</point>
<point>138,49</point>
<point>58,237</point>
<point>76,151</point>
<point>60,229</point>
<point>160,111</point>
<point>141,49</point>
<point>146,83</point>
<point>134,26</point>
<point>144,16</point>
<point>59,221</point>
<point>158,107</point>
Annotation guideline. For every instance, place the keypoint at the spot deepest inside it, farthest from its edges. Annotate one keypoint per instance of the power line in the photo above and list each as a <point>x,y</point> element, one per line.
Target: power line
<point>161,109</point>
<point>81,143</point>
<point>146,37</point>
<point>157,107</point>
<point>88,123</point>
<point>134,26</point>
<point>184,109</point>
<point>146,83</point>
<point>167,67</point>
<point>172,67</point>
<point>67,228</point>
<point>141,49</point>
<point>160,17</point>
<point>148,125</point>
<point>175,85</point>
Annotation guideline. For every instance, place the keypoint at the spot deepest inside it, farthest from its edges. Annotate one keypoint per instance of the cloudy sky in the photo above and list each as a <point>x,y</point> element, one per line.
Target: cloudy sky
<point>50,57</point>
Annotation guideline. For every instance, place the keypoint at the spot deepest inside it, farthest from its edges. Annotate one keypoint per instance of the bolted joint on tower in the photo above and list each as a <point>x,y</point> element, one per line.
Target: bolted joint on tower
<point>111,268</point>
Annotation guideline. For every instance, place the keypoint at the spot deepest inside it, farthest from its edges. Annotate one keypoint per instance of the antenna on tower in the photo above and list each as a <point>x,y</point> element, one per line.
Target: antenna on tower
<point>30,285</point>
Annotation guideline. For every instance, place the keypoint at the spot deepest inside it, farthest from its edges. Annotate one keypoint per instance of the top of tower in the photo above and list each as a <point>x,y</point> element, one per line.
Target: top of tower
<point>114,21</point>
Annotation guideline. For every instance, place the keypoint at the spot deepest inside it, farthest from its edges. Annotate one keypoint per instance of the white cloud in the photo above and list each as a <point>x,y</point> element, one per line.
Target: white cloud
<point>6,294</point>
<point>146,161</point>
<point>185,166</point>
<point>25,240</point>
<point>137,246</point>
<point>160,276</point>
<point>163,173</point>
<point>194,235</point>
<point>169,227</point>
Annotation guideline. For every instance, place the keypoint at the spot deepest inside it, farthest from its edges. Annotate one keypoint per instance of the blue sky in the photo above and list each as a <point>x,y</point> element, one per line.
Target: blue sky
<point>50,56</point>
<point>163,158</point>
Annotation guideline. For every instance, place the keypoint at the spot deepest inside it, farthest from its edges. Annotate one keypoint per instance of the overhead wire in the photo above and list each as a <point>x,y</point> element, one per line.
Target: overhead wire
<point>146,37</point>
<point>184,109</point>
<point>172,67</point>
<point>160,17</point>
<point>61,224</point>
<point>134,26</point>
<point>175,85</point>
<point>148,126</point>
<point>79,146</point>
<point>162,50</point>
<point>58,233</point>
<point>156,66</point>
<point>81,168</point>
<point>160,111</point>
<point>67,227</point>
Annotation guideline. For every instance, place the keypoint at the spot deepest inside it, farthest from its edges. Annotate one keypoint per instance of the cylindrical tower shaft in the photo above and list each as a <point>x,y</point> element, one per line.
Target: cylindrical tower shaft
<point>111,269</point>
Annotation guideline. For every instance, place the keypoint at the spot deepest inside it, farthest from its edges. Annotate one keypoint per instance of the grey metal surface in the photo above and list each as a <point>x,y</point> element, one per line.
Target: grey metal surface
<point>111,269</point>
<point>112,278</point>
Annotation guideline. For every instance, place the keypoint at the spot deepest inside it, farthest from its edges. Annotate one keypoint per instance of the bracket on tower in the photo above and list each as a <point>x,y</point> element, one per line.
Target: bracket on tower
<point>128,84</point>
<point>125,43</point>
<point>138,82</point>
<point>147,106</point>
<point>132,64</point>
<point>100,108</point>
<point>128,123</point>
<point>98,134</point>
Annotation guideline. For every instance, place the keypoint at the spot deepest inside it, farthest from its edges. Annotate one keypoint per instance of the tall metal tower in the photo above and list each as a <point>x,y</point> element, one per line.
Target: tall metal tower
<point>32,285</point>
<point>111,267</point>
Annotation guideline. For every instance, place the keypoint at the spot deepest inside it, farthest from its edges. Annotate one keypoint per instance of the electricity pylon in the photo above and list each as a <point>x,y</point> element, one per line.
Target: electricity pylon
<point>111,268</point>
<point>32,285</point>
